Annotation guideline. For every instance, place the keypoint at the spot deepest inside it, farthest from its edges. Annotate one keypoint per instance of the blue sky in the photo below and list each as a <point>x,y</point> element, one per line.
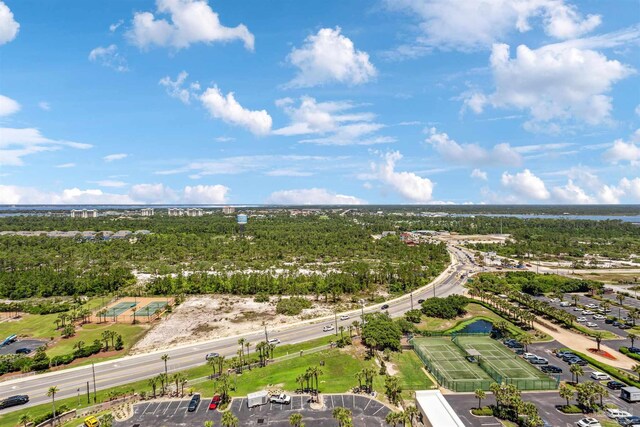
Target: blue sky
<point>385,101</point>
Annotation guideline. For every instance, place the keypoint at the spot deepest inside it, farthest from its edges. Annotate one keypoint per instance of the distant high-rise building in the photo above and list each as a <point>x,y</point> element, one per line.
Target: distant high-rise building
<point>195,212</point>
<point>228,210</point>
<point>84,213</point>
<point>175,212</point>
<point>146,212</point>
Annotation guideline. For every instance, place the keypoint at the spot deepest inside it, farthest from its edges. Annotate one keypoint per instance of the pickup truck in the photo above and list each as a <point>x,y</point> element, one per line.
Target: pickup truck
<point>280,398</point>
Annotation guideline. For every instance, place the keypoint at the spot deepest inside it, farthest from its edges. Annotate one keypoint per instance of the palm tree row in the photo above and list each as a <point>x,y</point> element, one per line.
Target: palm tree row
<point>402,418</point>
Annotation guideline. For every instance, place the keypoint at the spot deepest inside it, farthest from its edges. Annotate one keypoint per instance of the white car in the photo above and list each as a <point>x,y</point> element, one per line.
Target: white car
<point>565,304</point>
<point>273,341</point>
<point>591,306</point>
<point>576,308</point>
<point>589,422</point>
<point>529,356</point>
<point>281,398</point>
<point>616,413</point>
<point>344,317</point>
<point>592,325</point>
<point>599,317</point>
<point>599,376</point>
<point>581,319</point>
<point>587,312</point>
<point>327,328</point>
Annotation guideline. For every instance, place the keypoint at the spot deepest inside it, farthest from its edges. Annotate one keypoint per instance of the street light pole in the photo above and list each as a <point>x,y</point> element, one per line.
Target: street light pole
<point>335,317</point>
<point>411,294</point>
<point>266,335</point>
<point>93,368</point>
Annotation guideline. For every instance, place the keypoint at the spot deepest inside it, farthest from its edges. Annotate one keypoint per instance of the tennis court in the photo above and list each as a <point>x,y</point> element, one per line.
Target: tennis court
<point>151,308</point>
<point>120,308</point>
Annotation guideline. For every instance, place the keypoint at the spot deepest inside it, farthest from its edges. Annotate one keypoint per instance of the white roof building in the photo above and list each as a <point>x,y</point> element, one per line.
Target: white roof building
<point>435,410</point>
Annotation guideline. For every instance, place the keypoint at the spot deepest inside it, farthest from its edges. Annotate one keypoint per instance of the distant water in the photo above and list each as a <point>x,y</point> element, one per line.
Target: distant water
<point>625,218</point>
<point>477,327</point>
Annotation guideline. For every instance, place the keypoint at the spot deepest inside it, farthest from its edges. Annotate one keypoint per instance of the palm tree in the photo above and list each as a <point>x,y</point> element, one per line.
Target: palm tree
<point>620,297</point>
<point>295,419</point>
<point>247,345</point>
<point>356,325</point>
<point>575,299</point>
<point>598,336</point>
<point>106,420</point>
<point>208,424</point>
<point>343,416</point>
<point>392,389</point>
<point>411,413</point>
<point>183,382</point>
<point>394,418</point>
<point>300,379</point>
<point>25,419</point>
<point>229,420</point>
<point>632,337</point>
<point>165,357</point>
<point>52,394</point>
<point>526,339</point>
<point>480,394</point>
<point>213,363</point>
<point>241,343</point>
<point>577,371</point>
<point>566,392</point>
<point>79,345</point>
<point>153,383</point>
<point>636,369</point>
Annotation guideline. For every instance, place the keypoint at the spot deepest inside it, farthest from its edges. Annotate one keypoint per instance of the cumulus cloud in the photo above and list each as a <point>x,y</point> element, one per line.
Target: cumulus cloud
<point>190,21</point>
<point>312,196</point>
<point>407,184</point>
<point>114,157</point>
<point>571,194</point>
<point>467,25</point>
<point>109,57</point>
<point>551,83</point>
<point>525,185</point>
<point>332,123</point>
<point>138,194</point>
<point>631,187</point>
<point>479,174</point>
<point>8,26</point>
<point>229,110</point>
<point>472,154</point>
<point>328,57</point>
<point>18,143</point>
<point>8,106</point>
<point>176,88</point>
<point>624,151</point>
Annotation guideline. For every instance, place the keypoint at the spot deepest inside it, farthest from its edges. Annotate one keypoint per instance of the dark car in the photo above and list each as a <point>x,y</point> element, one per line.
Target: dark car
<point>634,349</point>
<point>624,326</point>
<point>214,402</point>
<point>608,321</point>
<point>569,356</point>
<point>471,359</point>
<point>520,351</point>
<point>195,401</point>
<point>615,323</point>
<point>550,369</point>
<point>384,307</point>
<point>14,401</point>
<point>420,301</point>
<point>577,361</point>
<point>23,350</point>
<point>628,421</point>
<point>615,385</point>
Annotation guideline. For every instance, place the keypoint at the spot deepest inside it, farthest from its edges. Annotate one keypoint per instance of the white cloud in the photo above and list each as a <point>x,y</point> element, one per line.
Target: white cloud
<point>66,165</point>
<point>17,143</point>
<point>631,187</point>
<point>192,21</point>
<point>228,109</point>
<point>479,174</point>
<point>109,57</point>
<point>624,151</point>
<point>8,26</point>
<point>138,194</point>
<point>637,110</point>
<point>224,139</point>
<point>288,172</point>
<point>551,83</point>
<point>205,194</point>
<point>327,57</point>
<point>110,183</point>
<point>333,122</point>
<point>44,105</point>
<point>8,106</point>
<point>468,25</point>
<point>571,194</point>
<point>114,157</point>
<point>525,185</point>
<point>472,154</point>
<point>113,27</point>
<point>175,88</point>
<point>409,185</point>
<point>312,196</point>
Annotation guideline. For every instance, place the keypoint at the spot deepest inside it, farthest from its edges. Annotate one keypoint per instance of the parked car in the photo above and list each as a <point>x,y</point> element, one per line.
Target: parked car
<point>519,351</point>
<point>624,326</point>
<point>563,353</point>
<point>589,422</point>
<point>629,421</point>
<point>581,319</point>
<point>281,398</point>
<point>215,401</point>
<point>327,328</point>
<point>587,312</point>
<point>615,385</point>
<point>211,355</point>
<point>616,413</point>
<point>538,361</point>
<point>599,317</point>
<point>608,321</point>
<point>565,304</point>
<point>576,308</point>
<point>20,399</point>
<point>528,356</point>
<point>577,361</point>
<point>592,325</point>
<point>634,349</point>
<point>551,369</point>
<point>91,421</point>
<point>23,351</point>
<point>384,307</point>
<point>599,376</point>
<point>591,305</point>
<point>616,323</point>
<point>194,402</point>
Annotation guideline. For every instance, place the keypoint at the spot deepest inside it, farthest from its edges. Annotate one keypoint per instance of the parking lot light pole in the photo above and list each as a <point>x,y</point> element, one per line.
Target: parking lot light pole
<point>335,317</point>
<point>266,335</point>
<point>411,294</point>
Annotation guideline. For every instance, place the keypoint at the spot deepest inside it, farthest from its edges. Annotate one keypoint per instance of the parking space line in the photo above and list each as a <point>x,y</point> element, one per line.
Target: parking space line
<point>167,408</point>
<point>177,407</point>
<point>342,397</point>
<point>353,401</point>
<point>157,407</point>
<point>365,408</point>
<point>145,409</point>
<point>381,406</point>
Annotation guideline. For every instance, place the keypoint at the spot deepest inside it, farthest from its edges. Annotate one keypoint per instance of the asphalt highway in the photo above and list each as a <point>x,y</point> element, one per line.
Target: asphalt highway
<point>134,368</point>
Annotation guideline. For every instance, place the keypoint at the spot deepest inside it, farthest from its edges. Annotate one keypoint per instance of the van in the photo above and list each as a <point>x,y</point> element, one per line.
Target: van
<point>599,376</point>
<point>91,421</point>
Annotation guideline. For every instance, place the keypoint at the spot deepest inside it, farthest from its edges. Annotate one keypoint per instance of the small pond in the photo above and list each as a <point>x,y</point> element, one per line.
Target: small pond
<point>477,327</point>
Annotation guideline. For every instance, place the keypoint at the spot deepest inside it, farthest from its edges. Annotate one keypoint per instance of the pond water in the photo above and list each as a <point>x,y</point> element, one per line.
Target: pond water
<point>477,327</point>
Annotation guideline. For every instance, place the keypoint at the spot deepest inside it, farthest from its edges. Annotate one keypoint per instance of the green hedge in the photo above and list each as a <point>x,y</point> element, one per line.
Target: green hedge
<point>571,409</point>
<point>626,352</point>
<point>485,411</point>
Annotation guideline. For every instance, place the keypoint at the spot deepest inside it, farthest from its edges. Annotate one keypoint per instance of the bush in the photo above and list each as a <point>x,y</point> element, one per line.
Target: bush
<point>381,330</point>
<point>445,308</point>
<point>485,411</point>
<point>413,316</point>
<point>343,342</point>
<point>625,351</point>
<point>261,297</point>
<point>292,306</point>
<point>405,326</point>
<point>570,409</point>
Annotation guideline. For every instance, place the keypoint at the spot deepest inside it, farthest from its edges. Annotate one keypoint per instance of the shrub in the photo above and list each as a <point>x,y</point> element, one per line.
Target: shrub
<point>445,308</point>
<point>413,316</point>
<point>485,411</point>
<point>625,351</point>
<point>292,306</point>
<point>261,297</point>
<point>405,326</point>
<point>343,342</point>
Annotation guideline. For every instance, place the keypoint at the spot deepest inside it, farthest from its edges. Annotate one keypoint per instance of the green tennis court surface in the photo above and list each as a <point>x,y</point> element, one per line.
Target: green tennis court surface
<point>447,358</point>
<point>151,308</point>
<point>120,308</point>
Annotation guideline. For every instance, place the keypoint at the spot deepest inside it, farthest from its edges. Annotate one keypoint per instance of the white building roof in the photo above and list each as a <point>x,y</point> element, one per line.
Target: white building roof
<point>436,409</point>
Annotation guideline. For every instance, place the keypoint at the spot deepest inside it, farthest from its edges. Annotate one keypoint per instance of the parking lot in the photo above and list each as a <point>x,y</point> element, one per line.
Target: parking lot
<point>366,412</point>
<point>27,343</point>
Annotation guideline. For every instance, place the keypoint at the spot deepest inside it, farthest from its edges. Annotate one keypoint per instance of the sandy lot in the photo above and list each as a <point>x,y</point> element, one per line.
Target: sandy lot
<point>202,318</point>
